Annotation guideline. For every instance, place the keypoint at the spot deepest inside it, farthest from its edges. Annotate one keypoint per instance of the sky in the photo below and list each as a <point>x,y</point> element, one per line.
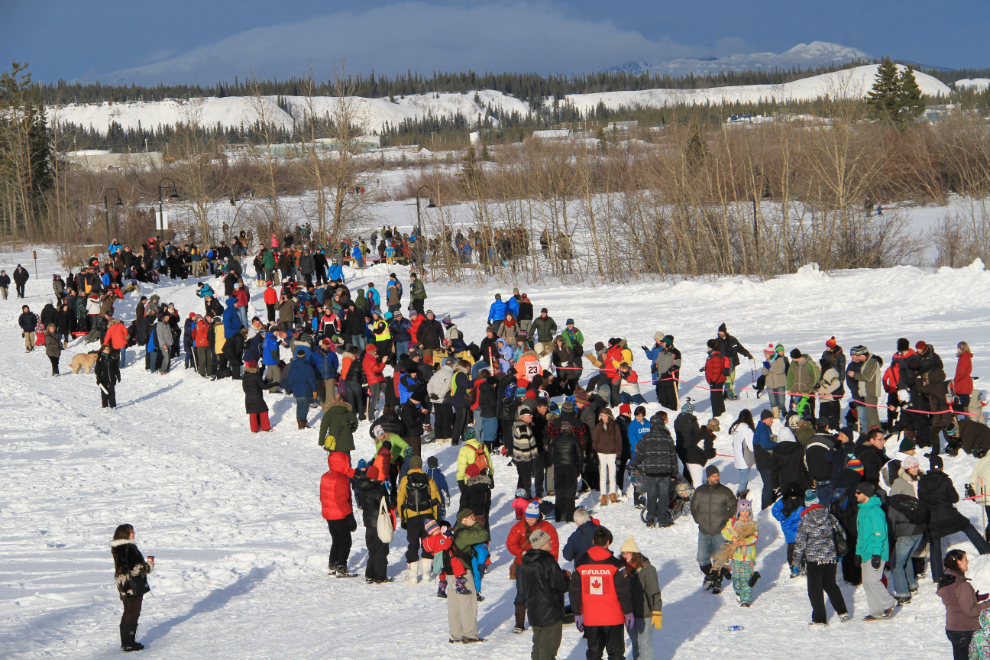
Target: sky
<point>197,41</point>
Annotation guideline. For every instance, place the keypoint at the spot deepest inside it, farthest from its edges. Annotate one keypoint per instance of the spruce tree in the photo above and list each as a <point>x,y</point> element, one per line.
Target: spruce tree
<point>470,172</point>
<point>911,105</point>
<point>885,98</point>
<point>695,149</point>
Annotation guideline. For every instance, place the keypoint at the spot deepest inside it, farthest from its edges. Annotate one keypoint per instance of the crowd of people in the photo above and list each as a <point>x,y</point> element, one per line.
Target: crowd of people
<point>523,392</point>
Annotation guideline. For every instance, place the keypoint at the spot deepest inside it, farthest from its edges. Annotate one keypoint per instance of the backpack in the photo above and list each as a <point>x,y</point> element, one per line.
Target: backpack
<point>417,492</point>
<point>479,458</point>
<point>913,509</point>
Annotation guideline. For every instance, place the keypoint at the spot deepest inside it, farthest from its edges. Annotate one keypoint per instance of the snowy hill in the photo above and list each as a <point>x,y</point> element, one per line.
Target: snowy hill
<point>803,56</point>
<point>234,518</point>
<point>978,84</point>
<point>236,111</point>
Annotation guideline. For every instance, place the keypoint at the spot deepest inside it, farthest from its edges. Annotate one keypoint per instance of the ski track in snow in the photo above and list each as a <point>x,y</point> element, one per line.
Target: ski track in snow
<point>234,518</point>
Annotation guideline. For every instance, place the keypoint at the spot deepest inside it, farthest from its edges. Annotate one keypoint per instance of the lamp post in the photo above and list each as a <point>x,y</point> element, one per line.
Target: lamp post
<point>766,195</point>
<point>106,210</point>
<point>163,186</point>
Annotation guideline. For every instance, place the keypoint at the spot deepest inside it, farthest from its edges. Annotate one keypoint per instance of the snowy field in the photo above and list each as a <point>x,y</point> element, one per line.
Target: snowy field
<point>234,522</point>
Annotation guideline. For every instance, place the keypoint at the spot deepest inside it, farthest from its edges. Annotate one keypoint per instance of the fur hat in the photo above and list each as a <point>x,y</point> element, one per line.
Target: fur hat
<point>629,545</point>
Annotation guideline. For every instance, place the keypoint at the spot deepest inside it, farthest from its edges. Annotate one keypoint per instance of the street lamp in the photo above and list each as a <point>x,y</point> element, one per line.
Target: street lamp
<point>106,210</point>
<point>766,195</point>
<point>163,186</point>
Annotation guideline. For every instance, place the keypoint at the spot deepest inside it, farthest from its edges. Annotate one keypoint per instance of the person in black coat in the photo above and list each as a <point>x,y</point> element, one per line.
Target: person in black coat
<point>130,573</point>
<point>540,587</point>
<point>871,454</point>
<point>936,491</point>
<point>845,508</point>
<point>390,422</point>
<point>477,494</point>
<point>107,377</point>
<point>568,463</point>
<point>64,324</point>
<point>369,494</point>
<point>787,467</point>
<point>254,386</point>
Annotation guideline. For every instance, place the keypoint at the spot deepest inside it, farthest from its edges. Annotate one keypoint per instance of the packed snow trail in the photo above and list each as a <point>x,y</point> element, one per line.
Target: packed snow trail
<point>233,518</point>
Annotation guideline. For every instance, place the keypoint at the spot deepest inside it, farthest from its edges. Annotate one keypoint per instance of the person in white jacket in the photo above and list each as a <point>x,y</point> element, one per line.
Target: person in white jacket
<point>979,487</point>
<point>743,453</point>
<point>443,412</point>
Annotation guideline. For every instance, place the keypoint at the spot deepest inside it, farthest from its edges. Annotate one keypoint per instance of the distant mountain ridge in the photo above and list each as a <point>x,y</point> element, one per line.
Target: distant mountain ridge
<point>804,56</point>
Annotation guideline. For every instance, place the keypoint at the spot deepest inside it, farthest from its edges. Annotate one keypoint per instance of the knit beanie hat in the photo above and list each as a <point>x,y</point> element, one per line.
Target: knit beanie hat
<point>658,337</point>
<point>416,462</point>
<point>432,461</point>
<point>810,497</point>
<point>903,344</point>
<point>779,348</point>
<point>795,353</point>
<point>711,470</point>
<point>469,434</point>
<point>538,539</point>
<point>768,351</point>
<point>522,492</point>
<point>629,545</point>
<point>910,462</point>
<point>431,527</point>
<point>831,343</point>
<point>855,465</point>
<point>866,488</point>
<point>533,510</point>
<point>935,462</point>
<point>721,328</point>
<point>907,444</point>
<point>744,505</point>
<point>580,397</point>
<point>688,408</point>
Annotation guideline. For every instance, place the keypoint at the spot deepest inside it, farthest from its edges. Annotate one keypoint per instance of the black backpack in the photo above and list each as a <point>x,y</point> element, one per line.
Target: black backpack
<point>418,492</point>
<point>913,509</point>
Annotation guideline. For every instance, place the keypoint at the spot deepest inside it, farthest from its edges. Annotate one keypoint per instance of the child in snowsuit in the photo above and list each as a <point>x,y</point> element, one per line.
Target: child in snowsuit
<point>521,502</point>
<point>439,540</point>
<point>433,472</point>
<point>743,551</point>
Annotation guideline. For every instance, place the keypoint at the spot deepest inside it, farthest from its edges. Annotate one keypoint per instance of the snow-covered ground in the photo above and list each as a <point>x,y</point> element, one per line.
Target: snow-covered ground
<point>372,114</point>
<point>233,519</point>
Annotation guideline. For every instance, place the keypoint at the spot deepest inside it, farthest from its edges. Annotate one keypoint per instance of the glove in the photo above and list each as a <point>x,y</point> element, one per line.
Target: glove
<point>407,452</point>
<point>630,622</point>
<point>579,622</point>
<point>969,491</point>
<point>658,620</point>
<point>644,348</point>
<point>875,562</point>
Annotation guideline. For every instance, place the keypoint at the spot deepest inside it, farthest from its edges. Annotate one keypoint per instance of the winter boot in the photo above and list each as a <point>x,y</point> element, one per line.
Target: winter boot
<point>342,571</point>
<point>741,494</point>
<point>460,586</point>
<point>754,578</point>
<point>709,578</point>
<point>604,501</point>
<point>717,584</point>
<point>481,598</point>
<point>127,633</point>
<point>301,423</point>
<point>412,577</point>
<point>520,619</point>
<point>613,498</point>
<point>426,568</point>
<point>332,566</point>
<point>442,589</point>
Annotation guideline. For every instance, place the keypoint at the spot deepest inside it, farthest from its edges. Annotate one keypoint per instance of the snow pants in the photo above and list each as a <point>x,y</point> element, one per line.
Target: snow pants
<point>565,490</point>
<point>377,568</point>
<point>601,639</point>
<point>340,539</point>
<point>259,422</point>
<point>821,581</point>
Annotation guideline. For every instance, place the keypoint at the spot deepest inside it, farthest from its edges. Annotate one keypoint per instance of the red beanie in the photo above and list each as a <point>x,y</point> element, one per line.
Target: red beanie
<point>625,409</point>
<point>530,394</point>
<point>831,342</point>
<point>921,346</point>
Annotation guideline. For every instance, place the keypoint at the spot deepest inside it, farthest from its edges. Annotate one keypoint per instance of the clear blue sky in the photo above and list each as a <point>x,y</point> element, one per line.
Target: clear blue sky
<point>202,41</point>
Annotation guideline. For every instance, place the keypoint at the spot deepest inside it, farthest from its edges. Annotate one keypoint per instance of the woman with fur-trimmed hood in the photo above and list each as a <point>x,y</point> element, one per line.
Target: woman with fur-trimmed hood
<point>131,576</point>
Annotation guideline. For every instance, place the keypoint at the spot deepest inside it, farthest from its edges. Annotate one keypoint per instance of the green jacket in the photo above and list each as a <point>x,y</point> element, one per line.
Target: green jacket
<point>871,525</point>
<point>472,535</point>
<point>802,376</point>
<point>268,261</point>
<point>339,421</point>
<point>398,446</point>
<point>361,302</point>
<point>545,329</point>
<point>645,591</point>
<point>418,290</point>
<point>578,337</point>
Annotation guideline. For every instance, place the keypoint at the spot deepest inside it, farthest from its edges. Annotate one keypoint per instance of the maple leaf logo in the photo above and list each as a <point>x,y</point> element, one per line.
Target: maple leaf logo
<point>596,584</point>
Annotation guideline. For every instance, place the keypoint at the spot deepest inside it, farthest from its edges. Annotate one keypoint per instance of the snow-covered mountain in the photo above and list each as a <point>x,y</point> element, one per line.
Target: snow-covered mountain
<point>805,56</point>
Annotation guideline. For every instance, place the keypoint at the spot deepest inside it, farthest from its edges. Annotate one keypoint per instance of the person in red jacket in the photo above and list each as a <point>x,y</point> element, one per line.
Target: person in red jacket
<point>243,299</point>
<point>373,369</point>
<point>962,384</point>
<point>715,374</point>
<point>518,543</point>
<point>271,299</point>
<point>116,337</point>
<point>601,597</point>
<point>201,342</point>
<point>335,496</point>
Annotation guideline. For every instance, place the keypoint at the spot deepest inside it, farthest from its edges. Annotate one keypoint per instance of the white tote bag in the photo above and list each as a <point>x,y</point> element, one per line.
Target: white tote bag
<point>384,525</point>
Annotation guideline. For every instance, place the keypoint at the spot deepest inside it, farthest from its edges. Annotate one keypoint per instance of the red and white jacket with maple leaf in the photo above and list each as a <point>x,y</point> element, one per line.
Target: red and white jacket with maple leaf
<point>600,589</point>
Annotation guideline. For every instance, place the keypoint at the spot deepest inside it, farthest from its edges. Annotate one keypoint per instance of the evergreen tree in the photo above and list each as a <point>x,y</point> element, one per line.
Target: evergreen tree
<point>484,152</point>
<point>884,100</point>
<point>602,142</point>
<point>695,149</point>
<point>911,104</point>
<point>470,172</point>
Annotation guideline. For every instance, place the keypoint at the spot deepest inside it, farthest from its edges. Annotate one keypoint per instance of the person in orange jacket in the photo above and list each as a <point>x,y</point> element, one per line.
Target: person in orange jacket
<point>271,299</point>
<point>335,498</point>
<point>116,338</point>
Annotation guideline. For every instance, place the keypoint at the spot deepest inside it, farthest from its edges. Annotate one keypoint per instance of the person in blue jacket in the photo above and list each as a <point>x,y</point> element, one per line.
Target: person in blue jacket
<point>274,340</point>
<point>335,273</point>
<point>327,366</point>
<point>763,448</point>
<point>301,383</point>
<point>788,510</point>
<point>513,303</point>
<point>374,299</point>
<point>401,333</point>
<point>434,472</point>
<point>357,256</point>
<point>204,290</point>
<point>638,427</point>
<point>579,542</point>
<point>231,319</point>
<point>496,313</point>
<point>187,340</point>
